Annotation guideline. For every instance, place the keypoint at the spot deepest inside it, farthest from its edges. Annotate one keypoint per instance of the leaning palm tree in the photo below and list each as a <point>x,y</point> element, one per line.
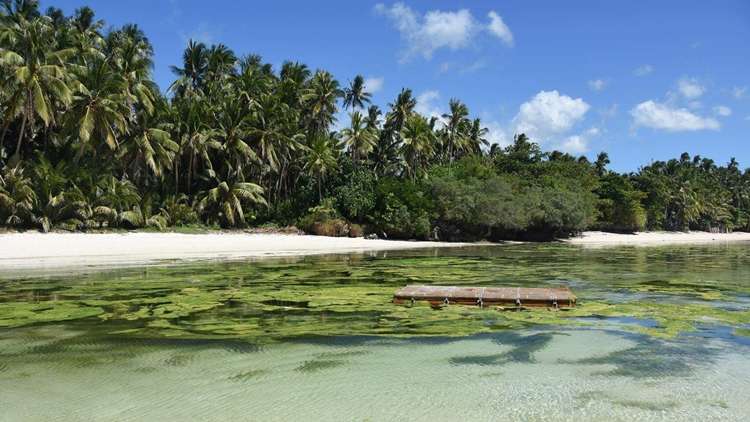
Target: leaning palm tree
<point>39,80</point>
<point>358,137</point>
<point>226,200</point>
<point>355,95</point>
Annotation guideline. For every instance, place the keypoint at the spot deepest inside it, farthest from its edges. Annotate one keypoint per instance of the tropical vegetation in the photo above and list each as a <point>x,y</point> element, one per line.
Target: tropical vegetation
<point>88,141</point>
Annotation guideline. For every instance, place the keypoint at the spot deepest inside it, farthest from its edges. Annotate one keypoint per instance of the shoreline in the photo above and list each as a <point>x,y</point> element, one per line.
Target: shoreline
<point>22,251</point>
<point>598,238</point>
<point>44,251</point>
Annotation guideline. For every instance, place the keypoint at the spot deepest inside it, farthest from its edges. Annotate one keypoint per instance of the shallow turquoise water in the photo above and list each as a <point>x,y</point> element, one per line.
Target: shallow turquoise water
<point>661,334</point>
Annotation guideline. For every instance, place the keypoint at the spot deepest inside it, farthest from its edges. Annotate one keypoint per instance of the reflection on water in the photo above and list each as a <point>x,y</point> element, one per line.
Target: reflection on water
<point>660,333</point>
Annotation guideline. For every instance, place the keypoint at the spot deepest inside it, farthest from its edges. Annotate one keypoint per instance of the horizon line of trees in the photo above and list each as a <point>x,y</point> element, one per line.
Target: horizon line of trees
<point>87,140</point>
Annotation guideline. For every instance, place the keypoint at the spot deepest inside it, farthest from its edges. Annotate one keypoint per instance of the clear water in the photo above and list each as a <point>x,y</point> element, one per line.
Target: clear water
<point>660,334</point>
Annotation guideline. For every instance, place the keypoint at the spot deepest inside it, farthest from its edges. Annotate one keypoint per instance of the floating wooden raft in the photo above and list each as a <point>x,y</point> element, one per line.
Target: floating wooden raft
<point>519,297</point>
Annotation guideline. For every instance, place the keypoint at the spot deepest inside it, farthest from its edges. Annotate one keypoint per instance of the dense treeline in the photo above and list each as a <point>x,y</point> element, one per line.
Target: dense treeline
<point>88,141</point>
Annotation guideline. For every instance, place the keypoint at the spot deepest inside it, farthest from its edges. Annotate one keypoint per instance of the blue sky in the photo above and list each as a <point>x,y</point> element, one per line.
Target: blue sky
<point>642,80</point>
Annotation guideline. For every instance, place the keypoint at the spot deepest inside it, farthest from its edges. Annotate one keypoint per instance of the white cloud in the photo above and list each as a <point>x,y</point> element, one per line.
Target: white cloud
<point>661,116</point>
<point>739,92</point>
<point>575,144</point>
<point>593,131</point>
<point>471,67</point>
<point>690,88</point>
<point>722,111</point>
<point>597,84</point>
<point>427,104</point>
<point>548,114</point>
<point>497,135</point>
<point>643,70</point>
<point>373,85</point>
<point>498,28</point>
<point>436,29</point>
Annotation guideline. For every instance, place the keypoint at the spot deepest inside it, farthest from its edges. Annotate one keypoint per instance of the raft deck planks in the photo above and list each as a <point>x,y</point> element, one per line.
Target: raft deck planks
<point>558,297</point>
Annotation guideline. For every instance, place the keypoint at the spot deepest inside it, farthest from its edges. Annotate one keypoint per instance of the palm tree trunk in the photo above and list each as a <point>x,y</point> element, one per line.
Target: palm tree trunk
<point>5,131</point>
<point>177,174</point>
<point>20,137</point>
<point>190,172</point>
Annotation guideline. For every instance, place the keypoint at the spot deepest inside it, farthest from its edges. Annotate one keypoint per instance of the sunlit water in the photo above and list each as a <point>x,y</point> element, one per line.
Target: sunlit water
<point>660,334</point>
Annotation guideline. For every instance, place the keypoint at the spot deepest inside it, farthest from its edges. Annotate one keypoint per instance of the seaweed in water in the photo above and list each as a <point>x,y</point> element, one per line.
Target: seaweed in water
<point>523,349</point>
<point>653,358</point>
<point>317,365</point>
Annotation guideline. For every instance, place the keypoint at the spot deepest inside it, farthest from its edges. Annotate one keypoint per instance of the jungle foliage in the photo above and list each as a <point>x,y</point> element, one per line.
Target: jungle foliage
<point>88,141</point>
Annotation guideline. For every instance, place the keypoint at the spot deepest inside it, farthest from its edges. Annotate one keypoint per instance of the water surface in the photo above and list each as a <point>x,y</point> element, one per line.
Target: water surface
<point>661,333</point>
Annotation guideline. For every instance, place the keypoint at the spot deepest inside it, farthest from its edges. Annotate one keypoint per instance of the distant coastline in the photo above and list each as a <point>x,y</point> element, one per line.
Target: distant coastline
<point>597,238</point>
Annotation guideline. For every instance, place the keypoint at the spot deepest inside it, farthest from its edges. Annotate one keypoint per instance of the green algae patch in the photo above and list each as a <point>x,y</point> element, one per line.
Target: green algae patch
<point>16,314</point>
<point>676,289</point>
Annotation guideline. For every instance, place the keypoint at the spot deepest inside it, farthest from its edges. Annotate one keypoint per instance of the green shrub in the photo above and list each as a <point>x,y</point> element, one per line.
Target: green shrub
<point>355,199</point>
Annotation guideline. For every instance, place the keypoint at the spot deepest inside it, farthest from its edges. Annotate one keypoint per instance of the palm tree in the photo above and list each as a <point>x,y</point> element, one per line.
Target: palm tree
<point>85,36</point>
<point>39,79</point>
<point>221,62</point>
<point>355,95</point>
<point>60,202</point>
<point>320,161</point>
<point>320,99</point>
<point>131,56</point>
<point>417,148</point>
<point>227,199</point>
<point>600,165</point>
<point>232,132</point>
<point>401,109</point>
<point>149,147</point>
<point>372,120</point>
<point>17,198</point>
<point>99,108</point>
<point>294,77</point>
<point>454,123</point>
<point>476,137</point>
<point>358,137</point>
<point>191,75</point>
<point>112,197</point>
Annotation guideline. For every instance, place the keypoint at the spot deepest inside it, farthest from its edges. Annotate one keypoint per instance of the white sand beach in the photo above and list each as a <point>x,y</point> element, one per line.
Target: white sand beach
<point>594,238</point>
<point>34,250</point>
<point>39,251</point>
